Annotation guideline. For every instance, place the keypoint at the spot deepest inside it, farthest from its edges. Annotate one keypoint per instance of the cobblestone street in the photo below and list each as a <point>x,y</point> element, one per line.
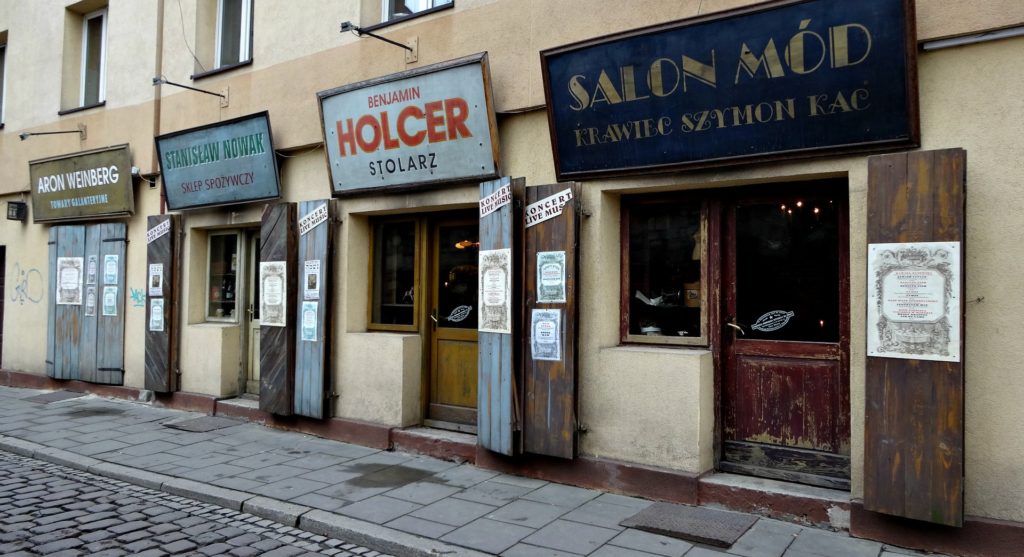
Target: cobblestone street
<point>46,509</point>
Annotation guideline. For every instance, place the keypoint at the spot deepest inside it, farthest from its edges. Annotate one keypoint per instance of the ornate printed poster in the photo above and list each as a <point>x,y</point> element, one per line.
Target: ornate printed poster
<point>156,279</point>
<point>273,293</point>
<point>546,333</point>
<point>109,301</point>
<point>90,274</point>
<point>69,281</point>
<point>110,269</point>
<point>156,314</point>
<point>90,301</point>
<point>914,301</point>
<point>311,280</point>
<point>551,277</point>
<point>495,291</point>
<point>309,319</point>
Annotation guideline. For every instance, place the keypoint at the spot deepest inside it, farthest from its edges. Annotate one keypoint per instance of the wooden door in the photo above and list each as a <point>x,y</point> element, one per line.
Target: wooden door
<point>453,322</point>
<point>785,336</point>
<point>252,313</point>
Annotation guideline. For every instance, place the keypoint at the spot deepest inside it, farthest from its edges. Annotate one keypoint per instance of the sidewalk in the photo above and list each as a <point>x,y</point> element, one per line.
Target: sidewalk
<point>397,503</point>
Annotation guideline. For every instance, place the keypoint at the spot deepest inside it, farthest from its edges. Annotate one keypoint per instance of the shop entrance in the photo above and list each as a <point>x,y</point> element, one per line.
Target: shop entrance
<point>251,325</point>
<point>455,246</point>
<point>785,336</point>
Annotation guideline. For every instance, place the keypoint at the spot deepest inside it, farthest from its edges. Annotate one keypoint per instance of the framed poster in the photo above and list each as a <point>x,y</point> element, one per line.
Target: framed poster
<point>311,280</point>
<point>109,301</point>
<point>914,301</point>
<point>156,279</point>
<point>273,285</point>
<point>495,291</point>
<point>110,269</point>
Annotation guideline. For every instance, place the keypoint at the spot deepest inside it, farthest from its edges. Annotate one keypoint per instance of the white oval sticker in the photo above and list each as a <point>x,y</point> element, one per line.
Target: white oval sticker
<point>772,321</point>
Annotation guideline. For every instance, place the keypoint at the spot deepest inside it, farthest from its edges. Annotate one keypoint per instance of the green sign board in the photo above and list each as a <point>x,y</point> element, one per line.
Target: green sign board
<point>86,185</point>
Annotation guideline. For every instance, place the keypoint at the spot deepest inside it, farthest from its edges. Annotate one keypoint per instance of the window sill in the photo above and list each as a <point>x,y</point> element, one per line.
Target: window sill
<point>80,108</point>
<point>220,70</point>
<point>689,350</point>
<point>403,19</point>
<point>379,328</point>
<point>665,341</point>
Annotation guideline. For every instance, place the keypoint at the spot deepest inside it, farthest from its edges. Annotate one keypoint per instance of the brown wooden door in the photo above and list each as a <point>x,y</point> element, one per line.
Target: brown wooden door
<point>785,336</point>
<point>453,322</point>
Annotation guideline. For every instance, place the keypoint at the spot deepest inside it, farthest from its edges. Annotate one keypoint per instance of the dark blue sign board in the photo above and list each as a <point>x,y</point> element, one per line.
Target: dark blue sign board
<point>790,78</point>
<point>219,164</point>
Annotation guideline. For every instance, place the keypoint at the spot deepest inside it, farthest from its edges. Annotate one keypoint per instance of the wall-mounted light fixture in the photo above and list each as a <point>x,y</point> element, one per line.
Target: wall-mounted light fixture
<point>17,210</point>
<point>80,131</point>
<point>346,26</point>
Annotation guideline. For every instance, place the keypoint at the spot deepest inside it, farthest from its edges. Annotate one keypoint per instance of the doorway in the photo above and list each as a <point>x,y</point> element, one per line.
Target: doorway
<point>251,323</point>
<point>452,399</point>
<point>785,335</point>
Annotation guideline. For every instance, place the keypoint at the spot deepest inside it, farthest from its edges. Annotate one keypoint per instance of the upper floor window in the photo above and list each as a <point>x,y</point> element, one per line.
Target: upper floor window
<point>93,88</point>
<point>3,76</point>
<point>234,32</point>
<point>394,9</point>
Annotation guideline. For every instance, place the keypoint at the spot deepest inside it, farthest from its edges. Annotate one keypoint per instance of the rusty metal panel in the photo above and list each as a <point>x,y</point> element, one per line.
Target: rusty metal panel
<point>277,343</point>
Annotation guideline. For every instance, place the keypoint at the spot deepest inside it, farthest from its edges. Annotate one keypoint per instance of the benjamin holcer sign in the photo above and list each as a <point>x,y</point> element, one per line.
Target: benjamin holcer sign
<point>422,127</point>
<point>761,83</point>
<point>87,185</point>
<point>219,164</point>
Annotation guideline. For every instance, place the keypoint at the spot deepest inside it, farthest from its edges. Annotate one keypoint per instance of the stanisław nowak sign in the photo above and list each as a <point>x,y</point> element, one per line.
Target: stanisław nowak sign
<point>219,164</point>
<point>792,77</point>
<point>425,126</point>
<point>91,184</point>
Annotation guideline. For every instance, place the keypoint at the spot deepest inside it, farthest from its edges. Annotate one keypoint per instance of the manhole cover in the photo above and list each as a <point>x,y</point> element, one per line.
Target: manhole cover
<point>699,524</point>
<point>204,424</point>
<point>55,396</point>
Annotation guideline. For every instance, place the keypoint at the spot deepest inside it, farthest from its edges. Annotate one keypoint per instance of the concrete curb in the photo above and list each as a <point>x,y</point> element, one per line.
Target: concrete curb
<point>383,539</point>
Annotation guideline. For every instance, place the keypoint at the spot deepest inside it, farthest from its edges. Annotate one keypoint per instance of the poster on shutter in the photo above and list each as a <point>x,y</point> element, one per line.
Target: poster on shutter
<point>90,301</point>
<point>272,293</point>
<point>551,277</point>
<point>495,291</point>
<point>69,281</point>
<point>92,269</point>
<point>110,269</point>
<point>109,301</point>
<point>914,301</point>
<point>156,314</point>
<point>546,333</point>
<point>309,319</point>
<point>311,280</point>
<point>156,279</point>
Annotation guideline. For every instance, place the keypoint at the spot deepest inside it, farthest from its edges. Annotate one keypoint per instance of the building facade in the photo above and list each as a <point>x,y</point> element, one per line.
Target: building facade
<point>721,302</point>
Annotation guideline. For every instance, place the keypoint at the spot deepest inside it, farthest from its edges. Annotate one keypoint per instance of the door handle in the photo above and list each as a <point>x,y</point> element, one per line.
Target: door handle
<point>732,323</point>
<point>433,316</point>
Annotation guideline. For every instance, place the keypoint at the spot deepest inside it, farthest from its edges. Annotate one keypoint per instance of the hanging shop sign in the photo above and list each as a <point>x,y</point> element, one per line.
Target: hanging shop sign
<point>87,185</point>
<point>789,78</point>
<point>416,128</point>
<point>219,164</point>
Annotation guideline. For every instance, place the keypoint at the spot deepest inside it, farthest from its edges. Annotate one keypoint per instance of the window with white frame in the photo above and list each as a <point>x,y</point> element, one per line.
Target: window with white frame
<point>93,88</point>
<point>234,32</point>
<point>3,77</point>
<point>397,9</point>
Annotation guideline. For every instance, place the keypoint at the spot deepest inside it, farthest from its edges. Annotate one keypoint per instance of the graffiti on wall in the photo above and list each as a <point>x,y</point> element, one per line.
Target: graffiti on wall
<point>138,296</point>
<point>28,285</point>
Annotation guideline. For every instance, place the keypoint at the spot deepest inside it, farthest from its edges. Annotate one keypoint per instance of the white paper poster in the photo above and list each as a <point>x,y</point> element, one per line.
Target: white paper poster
<point>311,280</point>
<point>314,218</point>
<point>546,334</point>
<point>495,201</point>
<point>157,231</point>
<point>547,208</point>
<point>156,314</point>
<point>309,320</point>
<point>91,269</point>
<point>551,277</point>
<point>273,293</point>
<point>109,301</point>
<point>69,281</point>
<point>90,301</point>
<point>109,269</point>
<point>156,279</point>
<point>914,301</point>
<point>495,291</point>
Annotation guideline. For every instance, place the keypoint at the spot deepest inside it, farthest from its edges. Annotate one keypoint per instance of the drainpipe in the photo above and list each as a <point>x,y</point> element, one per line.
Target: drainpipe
<point>158,64</point>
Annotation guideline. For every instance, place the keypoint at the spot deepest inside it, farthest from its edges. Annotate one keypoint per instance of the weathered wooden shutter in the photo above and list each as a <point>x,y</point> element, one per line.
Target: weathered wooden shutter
<point>85,340</point>
<point>499,405</point>
<point>551,217</point>
<point>914,411</point>
<point>312,316</point>
<point>161,340</point>
<point>277,344</point>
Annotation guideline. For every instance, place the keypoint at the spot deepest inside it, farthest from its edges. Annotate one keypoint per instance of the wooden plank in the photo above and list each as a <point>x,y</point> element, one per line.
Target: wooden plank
<point>160,375</point>
<point>277,344</point>
<point>312,377</point>
<point>87,359</point>
<point>498,384</point>
<point>110,331</point>
<point>914,409</point>
<point>51,304</point>
<point>70,243</point>
<point>549,418</point>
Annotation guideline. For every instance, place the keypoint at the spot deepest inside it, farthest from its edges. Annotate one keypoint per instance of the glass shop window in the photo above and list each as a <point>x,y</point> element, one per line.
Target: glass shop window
<point>222,278</point>
<point>394,274</point>
<point>663,290</point>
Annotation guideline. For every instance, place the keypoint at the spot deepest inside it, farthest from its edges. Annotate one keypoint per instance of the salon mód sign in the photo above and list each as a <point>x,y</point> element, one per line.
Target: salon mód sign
<point>788,78</point>
<point>416,128</point>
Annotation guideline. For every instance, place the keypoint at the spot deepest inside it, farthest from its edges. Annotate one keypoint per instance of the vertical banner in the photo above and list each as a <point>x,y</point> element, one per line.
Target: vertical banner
<point>499,414</point>
<point>312,376</point>
<point>162,248</point>
<point>278,288</point>
<point>551,239</point>
<point>914,384</point>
